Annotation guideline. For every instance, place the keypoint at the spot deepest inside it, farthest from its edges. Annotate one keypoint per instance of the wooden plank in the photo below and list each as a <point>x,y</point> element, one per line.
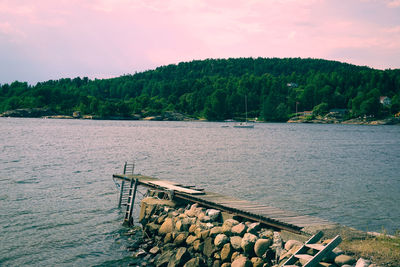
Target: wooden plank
<point>170,186</point>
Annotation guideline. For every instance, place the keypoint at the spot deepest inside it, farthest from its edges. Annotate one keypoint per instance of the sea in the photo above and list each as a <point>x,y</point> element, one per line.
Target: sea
<point>59,203</point>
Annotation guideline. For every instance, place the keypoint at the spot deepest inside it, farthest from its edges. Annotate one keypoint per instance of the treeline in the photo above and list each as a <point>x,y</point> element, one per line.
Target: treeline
<point>216,89</point>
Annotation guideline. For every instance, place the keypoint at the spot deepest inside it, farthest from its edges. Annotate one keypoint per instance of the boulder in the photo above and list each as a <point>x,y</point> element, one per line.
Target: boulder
<point>190,239</point>
<point>220,240</point>
<point>198,245</point>
<point>261,246</point>
<point>209,247</point>
<point>226,264</point>
<point>248,242</point>
<point>363,262</point>
<point>154,250</point>
<point>215,231</point>
<point>195,262</point>
<point>151,228</point>
<point>228,224</point>
<point>166,227</point>
<point>216,263</point>
<point>236,242</point>
<point>241,262</point>
<point>182,225</point>
<point>148,204</point>
<point>290,243</point>
<point>180,239</point>
<point>179,258</point>
<point>344,259</point>
<point>239,229</point>
<point>257,262</point>
<point>226,252</point>
<point>163,260</point>
<point>253,228</point>
<point>213,214</point>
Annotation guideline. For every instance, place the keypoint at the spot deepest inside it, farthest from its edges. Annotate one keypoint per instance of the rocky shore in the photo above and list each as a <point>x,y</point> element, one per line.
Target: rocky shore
<point>179,234</point>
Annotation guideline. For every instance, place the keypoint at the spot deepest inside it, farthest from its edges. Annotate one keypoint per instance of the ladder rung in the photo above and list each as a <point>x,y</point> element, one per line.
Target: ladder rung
<point>315,246</point>
<point>304,256</point>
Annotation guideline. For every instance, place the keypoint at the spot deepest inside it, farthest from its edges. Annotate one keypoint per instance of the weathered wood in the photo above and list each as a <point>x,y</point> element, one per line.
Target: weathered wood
<point>251,210</point>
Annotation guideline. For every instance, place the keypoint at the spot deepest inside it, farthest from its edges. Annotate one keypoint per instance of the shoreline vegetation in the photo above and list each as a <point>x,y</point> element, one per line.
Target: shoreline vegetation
<point>276,90</point>
<point>329,118</point>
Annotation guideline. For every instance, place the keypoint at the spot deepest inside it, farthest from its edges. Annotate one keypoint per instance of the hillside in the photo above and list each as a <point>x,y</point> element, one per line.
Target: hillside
<point>216,88</point>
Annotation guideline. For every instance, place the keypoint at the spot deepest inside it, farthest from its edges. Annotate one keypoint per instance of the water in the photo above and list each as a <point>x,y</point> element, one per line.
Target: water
<point>58,201</point>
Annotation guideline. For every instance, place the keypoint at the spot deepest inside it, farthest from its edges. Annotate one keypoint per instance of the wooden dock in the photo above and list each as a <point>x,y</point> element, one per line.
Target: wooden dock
<point>271,216</point>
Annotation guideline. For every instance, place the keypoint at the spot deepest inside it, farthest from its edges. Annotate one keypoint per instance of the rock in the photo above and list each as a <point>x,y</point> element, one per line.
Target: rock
<point>161,219</point>
<point>326,264</point>
<point>182,225</point>
<point>239,229</point>
<point>236,242</point>
<point>228,224</point>
<point>226,252</point>
<point>180,239</point>
<point>154,250</point>
<point>163,260</point>
<point>213,214</point>
<point>140,253</point>
<point>206,219</point>
<point>168,238</point>
<point>248,242</point>
<point>344,259</point>
<point>268,234</point>
<point>261,246</point>
<point>179,258</point>
<point>363,263</point>
<point>191,239</point>
<point>204,234</point>
<point>290,243</point>
<point>257,262</point>
<point>148,204</point>
<point>220,240</point>
<point>253,228</point>
<point>235,255</point>
<point>241,262</point>
<point>151,228</point>
<point>198,245</point>
<point>215,231</point>
<point>226,264</point>
<point>209,247</point>
<point>166,227</point>
<point>192,228</point>
<point>195,262</point>
<point>286,254</point>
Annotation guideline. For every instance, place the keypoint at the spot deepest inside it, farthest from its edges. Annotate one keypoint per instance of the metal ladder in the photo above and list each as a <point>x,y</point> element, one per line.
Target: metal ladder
<point>128,220</point>
<point>311,261</point>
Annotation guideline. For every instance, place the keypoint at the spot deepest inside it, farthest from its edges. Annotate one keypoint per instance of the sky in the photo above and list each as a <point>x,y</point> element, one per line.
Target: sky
<point>47,39</point>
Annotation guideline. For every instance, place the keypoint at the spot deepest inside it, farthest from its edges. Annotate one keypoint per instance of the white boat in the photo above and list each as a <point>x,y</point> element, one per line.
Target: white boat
<point>244,124</point>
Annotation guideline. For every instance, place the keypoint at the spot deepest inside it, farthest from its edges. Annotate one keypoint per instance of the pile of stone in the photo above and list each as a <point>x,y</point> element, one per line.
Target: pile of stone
<point>195,236</point>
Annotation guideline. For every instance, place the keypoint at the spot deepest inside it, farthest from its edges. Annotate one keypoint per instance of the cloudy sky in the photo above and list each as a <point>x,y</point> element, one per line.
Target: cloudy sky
<point>51,39</point>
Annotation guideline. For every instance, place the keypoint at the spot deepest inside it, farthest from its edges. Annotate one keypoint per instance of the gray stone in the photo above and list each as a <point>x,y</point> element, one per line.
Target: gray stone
<point>213,214</point>
<point>248,242</point>
<point>228,224</point>
<point>261,246</point>
<point>241,262</point>
<point>154,250</point>
<point>226,252</point>
<point>195,262</point>
<point>163,260</point>
<point>179,257</point>
<point>344,259</point>
<point>236,242</point>
<point>290,243</point>
<point>239,229</point>
<point>220,240</point>
<point>363,262</point>
<point>198,245</point>
<point>180,239</point>
<point>166,227</point>
<point>253,228</point>
<point>209,247</point>
<point>226,264</point>
<point>191,239</point>
<point>257,262</point>
<point>215,231</point>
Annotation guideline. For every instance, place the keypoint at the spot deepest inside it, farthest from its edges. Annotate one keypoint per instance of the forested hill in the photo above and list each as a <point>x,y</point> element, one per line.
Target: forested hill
<point>216,89</point>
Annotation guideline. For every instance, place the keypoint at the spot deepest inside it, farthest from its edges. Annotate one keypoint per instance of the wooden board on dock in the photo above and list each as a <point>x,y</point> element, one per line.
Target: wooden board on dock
<point>172,186</point>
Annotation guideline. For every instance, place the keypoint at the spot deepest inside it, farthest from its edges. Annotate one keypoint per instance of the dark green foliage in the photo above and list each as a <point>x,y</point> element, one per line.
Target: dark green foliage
<point>216,89</point>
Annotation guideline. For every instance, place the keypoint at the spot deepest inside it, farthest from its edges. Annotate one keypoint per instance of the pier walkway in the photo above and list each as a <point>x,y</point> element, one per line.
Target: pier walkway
<point>271,216</point>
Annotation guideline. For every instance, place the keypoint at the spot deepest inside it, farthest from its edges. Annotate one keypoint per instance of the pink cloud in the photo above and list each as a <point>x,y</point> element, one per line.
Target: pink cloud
<point>72,37</point>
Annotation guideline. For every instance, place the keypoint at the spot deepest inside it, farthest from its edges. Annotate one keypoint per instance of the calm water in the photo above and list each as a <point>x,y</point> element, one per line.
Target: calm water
<point>58,201</point>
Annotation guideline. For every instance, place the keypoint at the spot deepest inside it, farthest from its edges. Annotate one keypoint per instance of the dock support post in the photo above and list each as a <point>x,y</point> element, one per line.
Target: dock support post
<point>133,203</point>
<point>121,193</point>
